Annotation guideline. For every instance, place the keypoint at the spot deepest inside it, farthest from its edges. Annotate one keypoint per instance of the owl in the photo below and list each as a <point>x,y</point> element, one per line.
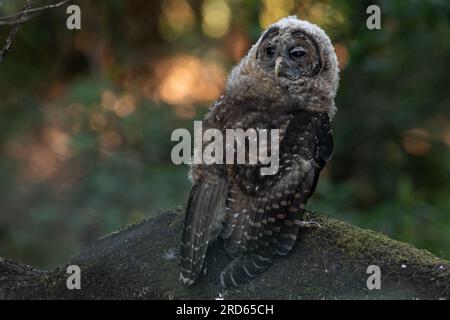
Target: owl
<point>287,81</point>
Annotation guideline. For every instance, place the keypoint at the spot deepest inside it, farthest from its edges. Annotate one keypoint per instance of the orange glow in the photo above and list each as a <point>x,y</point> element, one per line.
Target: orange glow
<point>182,81</point>
<point>121,106</point>
<point>415,141</point>
<point>40,158</point>
<point>342,55</point>
<point>187,80</point>
<point>58,141</point>
<point>40,165</point>
<point>125,106</point>
<point>109,100</point>
<point>238,44</point>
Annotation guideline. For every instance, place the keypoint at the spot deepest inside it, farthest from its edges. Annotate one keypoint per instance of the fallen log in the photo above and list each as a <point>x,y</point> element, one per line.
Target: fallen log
<point>330,262</point>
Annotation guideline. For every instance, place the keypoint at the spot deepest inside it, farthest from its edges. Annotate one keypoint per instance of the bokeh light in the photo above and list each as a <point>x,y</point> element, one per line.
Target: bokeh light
<point>177,18</point>
<point>274,10</point>
<point>216,18</point>
<point>186,80</point>
<point>342,55</point>
<point>416,141</point>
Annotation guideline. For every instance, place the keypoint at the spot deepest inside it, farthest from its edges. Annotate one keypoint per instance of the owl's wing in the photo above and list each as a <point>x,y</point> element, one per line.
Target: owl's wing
<point>312,144</point>
<point>275,213</point>
<point>199,222</point>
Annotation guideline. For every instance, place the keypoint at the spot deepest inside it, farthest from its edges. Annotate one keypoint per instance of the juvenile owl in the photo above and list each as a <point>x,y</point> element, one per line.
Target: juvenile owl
<point>287,81</point>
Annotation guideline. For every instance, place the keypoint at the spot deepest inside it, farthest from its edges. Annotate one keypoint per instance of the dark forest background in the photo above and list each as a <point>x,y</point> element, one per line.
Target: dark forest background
<point>86,116</point>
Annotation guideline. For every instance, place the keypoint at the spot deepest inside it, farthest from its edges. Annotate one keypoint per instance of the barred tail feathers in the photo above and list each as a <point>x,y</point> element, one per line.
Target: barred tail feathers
<point>198,226</point>
<point>243,269</point>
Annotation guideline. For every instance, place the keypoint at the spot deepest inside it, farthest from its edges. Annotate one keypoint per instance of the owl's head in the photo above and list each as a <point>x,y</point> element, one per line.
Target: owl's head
<point>292,59</point>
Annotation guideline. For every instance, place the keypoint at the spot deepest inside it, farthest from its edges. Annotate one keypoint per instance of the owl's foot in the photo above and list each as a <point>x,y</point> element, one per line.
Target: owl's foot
<point>243,269</point>
<point>309,224</point>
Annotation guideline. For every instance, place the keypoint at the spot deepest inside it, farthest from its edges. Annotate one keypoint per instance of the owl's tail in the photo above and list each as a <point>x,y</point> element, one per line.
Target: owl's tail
<point>198,227</point>
<point>244,268</point>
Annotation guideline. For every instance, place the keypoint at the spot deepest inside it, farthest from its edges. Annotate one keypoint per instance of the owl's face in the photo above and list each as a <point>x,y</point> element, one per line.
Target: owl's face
<point>289,54</point>
<point>294,60</point>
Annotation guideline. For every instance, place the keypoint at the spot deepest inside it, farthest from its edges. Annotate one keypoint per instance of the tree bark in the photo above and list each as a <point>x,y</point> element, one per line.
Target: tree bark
<point>329,262</point>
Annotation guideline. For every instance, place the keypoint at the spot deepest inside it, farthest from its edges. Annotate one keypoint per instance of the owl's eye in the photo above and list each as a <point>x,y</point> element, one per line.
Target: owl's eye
<point>270,51</point>
<point>297,52</point>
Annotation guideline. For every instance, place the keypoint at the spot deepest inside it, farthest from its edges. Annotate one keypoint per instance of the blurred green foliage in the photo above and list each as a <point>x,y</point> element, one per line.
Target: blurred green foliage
<point>86,116</point>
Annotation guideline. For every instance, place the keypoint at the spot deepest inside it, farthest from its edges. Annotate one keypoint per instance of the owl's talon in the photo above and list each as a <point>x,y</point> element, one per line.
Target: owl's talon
<point>309,224</point>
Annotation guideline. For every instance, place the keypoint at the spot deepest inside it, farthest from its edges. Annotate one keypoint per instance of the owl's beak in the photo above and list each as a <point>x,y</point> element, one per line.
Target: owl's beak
<point>278,62</point>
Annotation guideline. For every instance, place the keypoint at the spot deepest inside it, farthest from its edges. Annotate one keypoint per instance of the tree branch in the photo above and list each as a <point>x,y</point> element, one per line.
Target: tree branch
<point>14,30</point>
<point>18,18</point>
<point>329,262</point>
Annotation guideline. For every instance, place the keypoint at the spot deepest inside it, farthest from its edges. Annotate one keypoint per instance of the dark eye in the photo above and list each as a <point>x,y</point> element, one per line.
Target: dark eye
<point>270,51</point>
<point>297,52</point>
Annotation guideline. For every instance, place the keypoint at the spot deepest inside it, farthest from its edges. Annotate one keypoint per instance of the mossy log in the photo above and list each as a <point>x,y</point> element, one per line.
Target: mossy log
<point>330,262</point>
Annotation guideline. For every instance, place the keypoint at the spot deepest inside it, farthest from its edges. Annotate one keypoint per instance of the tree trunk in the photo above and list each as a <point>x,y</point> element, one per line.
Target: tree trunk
<point>140,262</point>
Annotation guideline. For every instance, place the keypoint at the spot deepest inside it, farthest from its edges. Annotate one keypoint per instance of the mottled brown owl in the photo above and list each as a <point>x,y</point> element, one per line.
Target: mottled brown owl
<point>287,81</point>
